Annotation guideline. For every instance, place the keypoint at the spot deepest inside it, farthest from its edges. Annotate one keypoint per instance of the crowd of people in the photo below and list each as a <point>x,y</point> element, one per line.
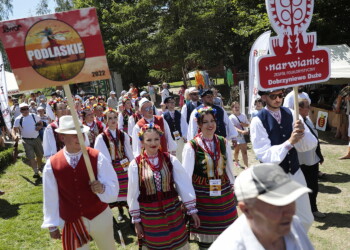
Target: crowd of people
<point>172,168</point>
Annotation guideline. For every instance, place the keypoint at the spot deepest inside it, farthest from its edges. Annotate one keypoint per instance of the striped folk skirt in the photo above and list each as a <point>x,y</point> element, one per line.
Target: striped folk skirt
<point>216,213</point>
<point>123,181</point>
<point>163,224</point>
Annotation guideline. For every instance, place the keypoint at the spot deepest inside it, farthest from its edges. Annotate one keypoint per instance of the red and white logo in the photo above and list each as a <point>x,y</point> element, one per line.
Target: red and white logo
<point>294,58</point>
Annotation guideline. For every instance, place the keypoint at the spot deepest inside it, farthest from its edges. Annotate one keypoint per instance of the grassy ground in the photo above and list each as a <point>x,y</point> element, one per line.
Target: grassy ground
<point>21,206</point>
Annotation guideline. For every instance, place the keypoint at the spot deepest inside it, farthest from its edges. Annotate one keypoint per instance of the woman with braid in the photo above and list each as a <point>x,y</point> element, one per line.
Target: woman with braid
<point>156,180</point>
<point>114,144</point>
<point>208,162</point>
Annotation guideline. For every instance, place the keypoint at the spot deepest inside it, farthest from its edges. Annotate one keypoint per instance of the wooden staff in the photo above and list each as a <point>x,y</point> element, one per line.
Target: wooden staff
<point>79,133</point>
<point>296,104</point>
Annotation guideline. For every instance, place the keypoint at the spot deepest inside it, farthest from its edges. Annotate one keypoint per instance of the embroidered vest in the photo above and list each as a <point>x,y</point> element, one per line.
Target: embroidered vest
<point>174,124</point>
<point>279,133</point>
<point>190,107</point>
<point>158,120</point>
<point>74,192</point>
<point>115,148</point>
<point>126,116</point>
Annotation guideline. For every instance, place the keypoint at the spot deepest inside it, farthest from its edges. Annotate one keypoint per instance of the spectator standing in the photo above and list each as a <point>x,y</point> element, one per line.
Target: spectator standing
<point>112,101</point>
<point>164,92</point>
<point>182,95</point>
<point>152,92</point>
<point>259,105</point>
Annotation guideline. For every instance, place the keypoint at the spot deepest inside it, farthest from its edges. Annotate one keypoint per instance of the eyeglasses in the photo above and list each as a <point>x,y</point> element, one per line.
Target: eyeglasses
<point>274,96</point>
<point>171,102</point>
<point>148,109</point>
<point>194,94</point>
<point>24,109</point>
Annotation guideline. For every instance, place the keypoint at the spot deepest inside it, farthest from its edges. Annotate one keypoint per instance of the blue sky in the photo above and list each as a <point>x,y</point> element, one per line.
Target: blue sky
<point>26,8</point>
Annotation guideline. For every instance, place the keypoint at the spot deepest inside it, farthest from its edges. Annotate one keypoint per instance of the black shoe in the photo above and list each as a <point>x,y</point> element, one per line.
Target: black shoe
<point>36,176</point>
<point>2,192</point>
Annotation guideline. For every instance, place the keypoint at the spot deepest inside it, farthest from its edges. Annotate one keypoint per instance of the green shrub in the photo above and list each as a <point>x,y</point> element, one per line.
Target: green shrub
<point>6,158</point>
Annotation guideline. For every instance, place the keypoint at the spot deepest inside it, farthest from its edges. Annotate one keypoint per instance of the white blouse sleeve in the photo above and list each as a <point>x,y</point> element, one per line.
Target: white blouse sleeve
<point>131,125</point>
<point>120,121</point>
<point>229,163</point>
<point>184,127</point>
<point>49,142</point>
<point>100,145</point>
<point>192,126</point>
<point>107,176</point>
<point>51,200</point>
<point>127,147</point>
<point>133,190</point>
<point>183,183</point>
<point>188,158</point>
<point>136,143</point>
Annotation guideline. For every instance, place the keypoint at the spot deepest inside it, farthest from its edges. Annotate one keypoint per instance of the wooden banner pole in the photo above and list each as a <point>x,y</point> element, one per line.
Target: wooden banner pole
<point>296,104</point>
<point>79,133</point>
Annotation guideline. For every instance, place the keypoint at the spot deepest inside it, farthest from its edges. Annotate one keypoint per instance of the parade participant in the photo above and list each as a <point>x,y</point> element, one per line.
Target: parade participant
<point>96,127</point>
<point>177,125</point>
<point>114,144</point>
<point>28,126</point>
<point>208,161</point>
<point>32,107</point>
<point>133,91</point>
<point>181,94</point>
<point>42,102</point>
<point>98,110</point>
<point>156,179</point>
<point>92,101</point>
<point>69,195</point>
<point>240,121</point>
<point>123,116</point>
<point>217,100</point>
<point>167,143</point>
<point>276,139</point>
<point>51,141</point>
<point>310,160</point>
<point>266,196</point>
<point>156,111</point>
<point>134,118</point>
<point>45,119</point>
<point>122,94</point>
<point>152,92</point>
<point>259,105</point>
<point>289,99</point>
<point>191,105</point>
<point>77,106</point>
<point>112,101</point>
<point>224,126</point>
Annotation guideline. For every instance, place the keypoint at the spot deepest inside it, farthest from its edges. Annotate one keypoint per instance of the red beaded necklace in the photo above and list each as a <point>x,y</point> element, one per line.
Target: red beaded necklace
<point>156,167</point>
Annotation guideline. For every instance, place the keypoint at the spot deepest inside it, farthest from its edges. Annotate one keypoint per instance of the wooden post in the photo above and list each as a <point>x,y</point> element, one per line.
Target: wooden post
<point>296,104</point>
<point>79,133</point>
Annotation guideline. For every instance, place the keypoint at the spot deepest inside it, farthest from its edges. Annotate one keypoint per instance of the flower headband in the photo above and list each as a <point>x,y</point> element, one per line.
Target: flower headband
<point>149,126</point>
<point>125,99</point>
<point>204,110</point>
<point>110,110</point>
<point>56,101</point>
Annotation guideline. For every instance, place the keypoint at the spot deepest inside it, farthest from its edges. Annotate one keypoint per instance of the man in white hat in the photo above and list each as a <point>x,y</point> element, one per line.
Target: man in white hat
<point>266,196</point>
<point>112,101</point>
<point>192,105</point>
<point>167,142</point>
<point>69,195</point>
<point>28,125</point>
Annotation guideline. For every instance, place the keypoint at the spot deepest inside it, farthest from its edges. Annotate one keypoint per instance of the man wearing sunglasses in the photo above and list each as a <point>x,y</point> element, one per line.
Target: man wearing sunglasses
<point>191,105</point>
<point>276,138</point>
<point>28,126</point>
<point>167,142</point>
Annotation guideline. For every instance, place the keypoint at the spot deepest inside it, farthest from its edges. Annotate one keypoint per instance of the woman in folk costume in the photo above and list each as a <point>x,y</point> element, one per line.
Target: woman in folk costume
<point>156,179</point>
<point>123,116</point>
<point>96,127</point>
<point>114,144</point>
<point>134,118</point>
<point>99,108</point>
<point>208,161</point>
<point>51,141</point>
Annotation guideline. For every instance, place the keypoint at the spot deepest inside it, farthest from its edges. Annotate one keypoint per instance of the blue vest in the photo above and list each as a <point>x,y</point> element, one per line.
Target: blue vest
<point>174,124</point>
<point>279,133</point>
<point>220,124</point>
<point>190,107</point>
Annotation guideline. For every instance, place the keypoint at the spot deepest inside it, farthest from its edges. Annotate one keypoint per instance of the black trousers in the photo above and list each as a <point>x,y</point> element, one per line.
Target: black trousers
<point>311,177</point>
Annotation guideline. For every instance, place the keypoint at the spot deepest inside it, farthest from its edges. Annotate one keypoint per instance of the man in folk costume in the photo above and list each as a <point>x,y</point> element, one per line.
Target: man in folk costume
<point>70,196</point>
<point>123,116</point>
<point>96,127</point>
<point>224,127</point>
<point>177,125</point>
<point>277,139</point>
<point>167,143</point>
<point>192,105</point>
<point>114,144</point>
<point>134,118</point>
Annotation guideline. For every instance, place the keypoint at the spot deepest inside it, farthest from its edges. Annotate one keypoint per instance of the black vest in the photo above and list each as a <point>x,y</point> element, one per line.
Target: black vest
<point>220,124</point>
<point>190,107</point>
<point>174,124</point>
<point>279,133</point>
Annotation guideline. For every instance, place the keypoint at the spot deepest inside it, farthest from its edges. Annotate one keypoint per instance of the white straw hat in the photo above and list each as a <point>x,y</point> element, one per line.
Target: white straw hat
<point>66,126</point>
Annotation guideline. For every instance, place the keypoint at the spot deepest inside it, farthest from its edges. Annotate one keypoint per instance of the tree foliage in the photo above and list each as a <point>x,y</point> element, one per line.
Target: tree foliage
<point>42,8</point>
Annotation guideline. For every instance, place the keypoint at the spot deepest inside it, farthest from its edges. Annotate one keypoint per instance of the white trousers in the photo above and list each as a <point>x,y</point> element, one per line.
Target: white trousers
<point>101,230</point>
<point>303,207</point>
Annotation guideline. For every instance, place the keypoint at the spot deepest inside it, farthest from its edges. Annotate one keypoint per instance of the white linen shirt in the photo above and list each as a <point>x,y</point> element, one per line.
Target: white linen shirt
<point>105,174</point>
<point>27,129</point>
<point>239,236</point>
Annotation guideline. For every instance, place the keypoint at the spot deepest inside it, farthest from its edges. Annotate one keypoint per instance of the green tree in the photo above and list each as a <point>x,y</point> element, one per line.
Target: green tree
<point>42,8</point>
<point>63,5</point>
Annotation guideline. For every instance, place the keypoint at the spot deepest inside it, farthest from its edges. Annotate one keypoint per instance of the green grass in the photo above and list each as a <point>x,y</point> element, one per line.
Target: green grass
<point>21,206</point>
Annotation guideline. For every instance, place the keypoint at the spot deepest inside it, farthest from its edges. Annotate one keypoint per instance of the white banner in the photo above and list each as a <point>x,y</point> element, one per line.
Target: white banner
<point>5,109</point>
<point>241,97</point>
<point>259,48</point>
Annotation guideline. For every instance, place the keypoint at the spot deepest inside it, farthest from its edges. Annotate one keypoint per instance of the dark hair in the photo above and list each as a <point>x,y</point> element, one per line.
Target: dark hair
<point>258,100</point>
<point>302,102</point>
<point>201,116</point>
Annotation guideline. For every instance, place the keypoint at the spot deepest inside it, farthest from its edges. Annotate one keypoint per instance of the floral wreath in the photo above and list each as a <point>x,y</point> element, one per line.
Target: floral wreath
<point>86,108</point>
<point>110,110</point>
<point>56,101</point>
<point>125,99</point>
<point>202,110</point>
<point>149,126</point>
